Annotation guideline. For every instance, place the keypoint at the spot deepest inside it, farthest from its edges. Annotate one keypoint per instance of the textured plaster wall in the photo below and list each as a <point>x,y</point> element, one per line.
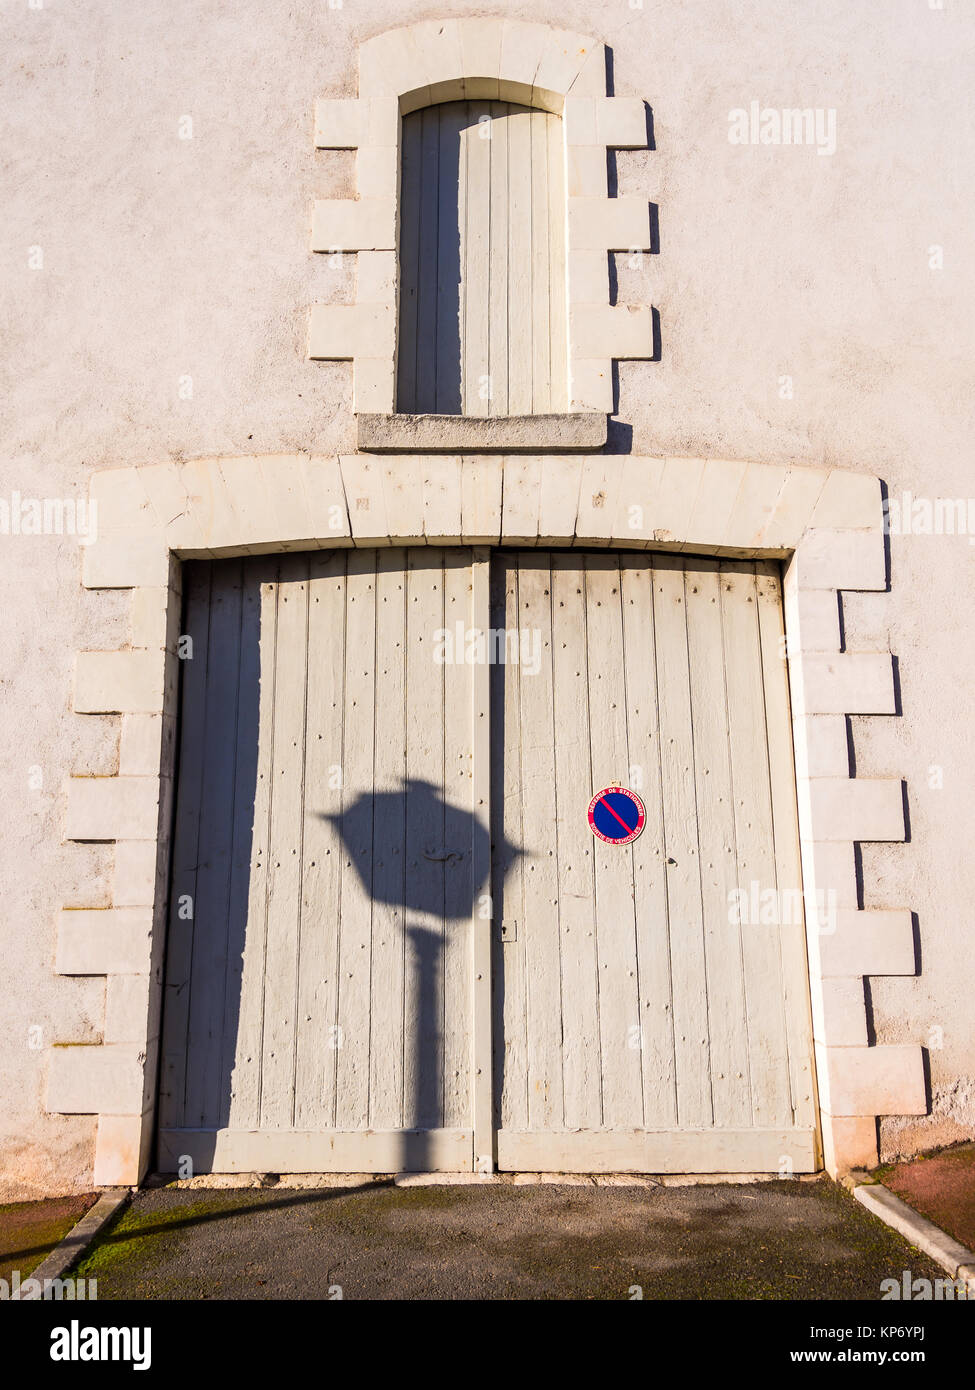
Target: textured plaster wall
<point>166,258</point>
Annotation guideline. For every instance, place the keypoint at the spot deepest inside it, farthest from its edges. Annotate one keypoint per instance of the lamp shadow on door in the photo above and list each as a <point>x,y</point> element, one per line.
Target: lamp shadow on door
<point>437,880</point>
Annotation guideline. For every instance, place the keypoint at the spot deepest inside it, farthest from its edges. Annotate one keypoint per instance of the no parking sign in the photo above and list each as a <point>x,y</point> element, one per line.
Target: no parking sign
<point>617,815</point>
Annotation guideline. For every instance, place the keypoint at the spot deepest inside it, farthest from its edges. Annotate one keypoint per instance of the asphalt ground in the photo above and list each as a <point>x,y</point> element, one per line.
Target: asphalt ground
<point>782,1240</point>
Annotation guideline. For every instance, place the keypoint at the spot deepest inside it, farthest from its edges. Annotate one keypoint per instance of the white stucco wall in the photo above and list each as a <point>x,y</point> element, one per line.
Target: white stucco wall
<point>166,257</point>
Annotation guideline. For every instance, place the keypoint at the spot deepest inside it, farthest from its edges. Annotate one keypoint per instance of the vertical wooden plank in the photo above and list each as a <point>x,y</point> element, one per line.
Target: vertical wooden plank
<point>388,920</point>
<point>519,263</point>
<point>619,1006</point>
<point>541,875</point>
<point>476,262</point>
<point>498,268</point>
<point>245,813</point>
<point>785,834</point>
<point>558,270</point>
<point>459,837</point>
<point>245,1097</point>
<point>453,119</point>
<point>211,904</point>
<point>541,364</point>
<point>186,842</point>
<point>481,1104</point>
<point>411,175</point>
<point>322,862</point>
<point>681,845</point>
<point>428,262</point>
<point>285,848</point>
<point>730,1085</point>
<point>423,1008</point>
<point>508,864</point>
<point>355,942</point>
<point>582,1078</point>
<point>767,1042</point>
<point>649,859</point>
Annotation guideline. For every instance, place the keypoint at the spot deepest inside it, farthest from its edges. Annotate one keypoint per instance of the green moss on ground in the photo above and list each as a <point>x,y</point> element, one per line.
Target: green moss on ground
<point>29,1231</point>
<point>135,1235</point>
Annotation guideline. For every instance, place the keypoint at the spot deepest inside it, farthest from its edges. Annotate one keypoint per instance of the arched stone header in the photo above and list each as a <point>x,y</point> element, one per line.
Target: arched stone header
<point>490,59</point>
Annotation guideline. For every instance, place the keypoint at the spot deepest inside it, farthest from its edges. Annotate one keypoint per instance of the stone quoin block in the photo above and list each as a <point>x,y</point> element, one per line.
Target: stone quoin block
<point>841,560</point>
<point>340,332</point>
<point>374,386</point>
<point>110,1078</point>
<point>850,683</point>
<point>609,224</point>
<point>821,747</point>
<point>591,384</point>
<point>134,874</point>
<point>132,1008</point>
<point>103,941</point>
<point>617,122</point>
<point>118,682</point>
<point>338,123</point>
<point>812,618</point>
<point>147,745</point>
<point>601,330</point>
<point>376,278</point>
<point>114,808</point>
<point>829,869</point>
<point>849,1142</point>
<point>122,1146</point>
<point>859,808</point>
<point>154,618</point>
<point>885,1080</point>
<point>347,224</point>
<point>126,562</point>
<point>875,941</point>
<point>838,1011</point>
<point>587,177</point>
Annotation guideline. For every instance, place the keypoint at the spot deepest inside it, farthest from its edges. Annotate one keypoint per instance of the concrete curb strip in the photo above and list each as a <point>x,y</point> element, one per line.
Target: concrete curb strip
<point>76,1242</point>
<point>950,1254</point>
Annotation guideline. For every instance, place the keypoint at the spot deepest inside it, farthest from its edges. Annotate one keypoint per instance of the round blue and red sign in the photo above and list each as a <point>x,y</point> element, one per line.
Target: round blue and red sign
<point>617,815</point>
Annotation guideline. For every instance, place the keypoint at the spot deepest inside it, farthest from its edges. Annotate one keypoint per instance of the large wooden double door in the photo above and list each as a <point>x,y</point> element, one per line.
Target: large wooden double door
<point>394,942</point>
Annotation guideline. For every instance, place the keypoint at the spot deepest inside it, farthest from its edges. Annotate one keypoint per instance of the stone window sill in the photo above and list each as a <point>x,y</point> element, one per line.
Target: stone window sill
<point>455,434</point>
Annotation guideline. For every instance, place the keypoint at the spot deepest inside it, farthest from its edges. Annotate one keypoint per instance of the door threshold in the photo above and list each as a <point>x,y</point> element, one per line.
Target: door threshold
<point>365,1180</point>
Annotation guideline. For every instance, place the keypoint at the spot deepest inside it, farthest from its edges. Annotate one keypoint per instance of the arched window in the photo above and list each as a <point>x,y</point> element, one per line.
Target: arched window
<point>482,308</point>
<point>483,227</point>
